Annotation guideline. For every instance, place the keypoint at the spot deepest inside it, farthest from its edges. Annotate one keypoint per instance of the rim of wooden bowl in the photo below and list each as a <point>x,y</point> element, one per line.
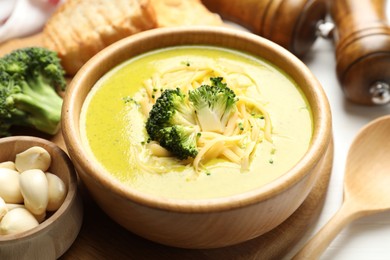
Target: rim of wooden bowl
<point>71,186</point>
<point>169,37</point>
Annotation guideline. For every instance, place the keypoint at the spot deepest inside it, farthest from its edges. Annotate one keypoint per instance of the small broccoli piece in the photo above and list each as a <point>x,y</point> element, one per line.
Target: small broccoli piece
<point>213,105</point>
<point>171,122</point>
<point>170,109</point>
<point>28,81</point>
<point>180,140</point>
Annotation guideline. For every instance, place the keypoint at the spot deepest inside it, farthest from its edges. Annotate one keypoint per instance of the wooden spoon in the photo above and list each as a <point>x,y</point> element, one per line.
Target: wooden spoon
<point>366,184</point>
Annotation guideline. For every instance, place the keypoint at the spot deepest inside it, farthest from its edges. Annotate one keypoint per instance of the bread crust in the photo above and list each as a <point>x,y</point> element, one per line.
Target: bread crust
<point>184,13</point>
<point>81,28</point>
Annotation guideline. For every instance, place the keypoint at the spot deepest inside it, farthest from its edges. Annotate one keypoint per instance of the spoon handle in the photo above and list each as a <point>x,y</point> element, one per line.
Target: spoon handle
<point>317,245</point>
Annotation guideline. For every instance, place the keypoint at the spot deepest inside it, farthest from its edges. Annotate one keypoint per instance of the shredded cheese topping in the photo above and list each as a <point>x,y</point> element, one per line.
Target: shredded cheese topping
<point>248,126</point>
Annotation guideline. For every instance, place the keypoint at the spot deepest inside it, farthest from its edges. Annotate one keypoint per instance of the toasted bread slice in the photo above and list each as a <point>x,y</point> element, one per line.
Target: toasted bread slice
<point>183,12</point>
<point>81,28</point>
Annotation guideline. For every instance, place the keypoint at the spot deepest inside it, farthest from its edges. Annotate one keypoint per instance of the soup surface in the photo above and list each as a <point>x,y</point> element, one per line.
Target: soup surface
<point>113,123</point>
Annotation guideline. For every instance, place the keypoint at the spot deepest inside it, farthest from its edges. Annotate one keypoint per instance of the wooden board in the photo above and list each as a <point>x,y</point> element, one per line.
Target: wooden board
<point>101,238</point>
<point>34,40</point>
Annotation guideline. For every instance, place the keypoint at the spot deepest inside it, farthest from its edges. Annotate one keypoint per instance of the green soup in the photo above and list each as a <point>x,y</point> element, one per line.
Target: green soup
<point>115,132</point>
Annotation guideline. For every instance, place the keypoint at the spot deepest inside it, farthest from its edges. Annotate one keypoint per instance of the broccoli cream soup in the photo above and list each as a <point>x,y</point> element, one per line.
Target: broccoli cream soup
<point>196,122</point>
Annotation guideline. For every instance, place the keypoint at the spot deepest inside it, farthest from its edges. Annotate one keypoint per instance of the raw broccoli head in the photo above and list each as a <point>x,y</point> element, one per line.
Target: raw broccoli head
<point>213,105</point>
<point>34,62</point>
<point>29,78</point>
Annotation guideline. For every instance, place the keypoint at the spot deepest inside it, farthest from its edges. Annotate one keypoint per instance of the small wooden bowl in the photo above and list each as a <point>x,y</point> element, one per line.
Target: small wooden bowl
<point>208,223</point>
<point>56,234</point>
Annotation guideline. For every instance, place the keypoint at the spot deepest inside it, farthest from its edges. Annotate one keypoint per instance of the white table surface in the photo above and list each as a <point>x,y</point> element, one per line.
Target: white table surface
<point>368,237</point>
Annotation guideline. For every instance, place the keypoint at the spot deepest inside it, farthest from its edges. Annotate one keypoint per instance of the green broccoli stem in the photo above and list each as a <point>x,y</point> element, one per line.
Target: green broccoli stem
<point>41,105</point>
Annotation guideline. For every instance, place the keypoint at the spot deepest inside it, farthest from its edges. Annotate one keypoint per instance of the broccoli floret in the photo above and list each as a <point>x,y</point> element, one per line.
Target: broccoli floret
<point>213,105</point>
<point>28,97</point>
<point>171,122</point>
<point>180,140</point>
<point>170,109</point>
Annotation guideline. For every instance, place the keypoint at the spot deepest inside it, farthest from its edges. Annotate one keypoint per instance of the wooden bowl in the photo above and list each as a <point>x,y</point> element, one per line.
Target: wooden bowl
<point>56,234</point>
<point>208,223</point>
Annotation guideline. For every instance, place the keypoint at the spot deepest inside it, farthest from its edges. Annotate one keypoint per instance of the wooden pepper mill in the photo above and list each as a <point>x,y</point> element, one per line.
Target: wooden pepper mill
<point>362,41</point>
<point>290,23</point>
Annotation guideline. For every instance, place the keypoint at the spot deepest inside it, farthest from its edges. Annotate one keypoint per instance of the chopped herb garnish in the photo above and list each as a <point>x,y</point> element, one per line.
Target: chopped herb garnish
<point>186,63</point>
<point>129,100</point>
<point>241,126</point>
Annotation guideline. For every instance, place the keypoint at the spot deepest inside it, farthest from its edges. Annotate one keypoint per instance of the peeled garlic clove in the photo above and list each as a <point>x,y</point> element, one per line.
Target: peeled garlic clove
<point>35,190</point>
<point>8,165</point>
<point>3,208</point>
<point>17,220</point>
<point>11,206</point>
<point>9,186</point>
<point>33,158</point>
<point>40,218</point>
<point>57,191</point>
